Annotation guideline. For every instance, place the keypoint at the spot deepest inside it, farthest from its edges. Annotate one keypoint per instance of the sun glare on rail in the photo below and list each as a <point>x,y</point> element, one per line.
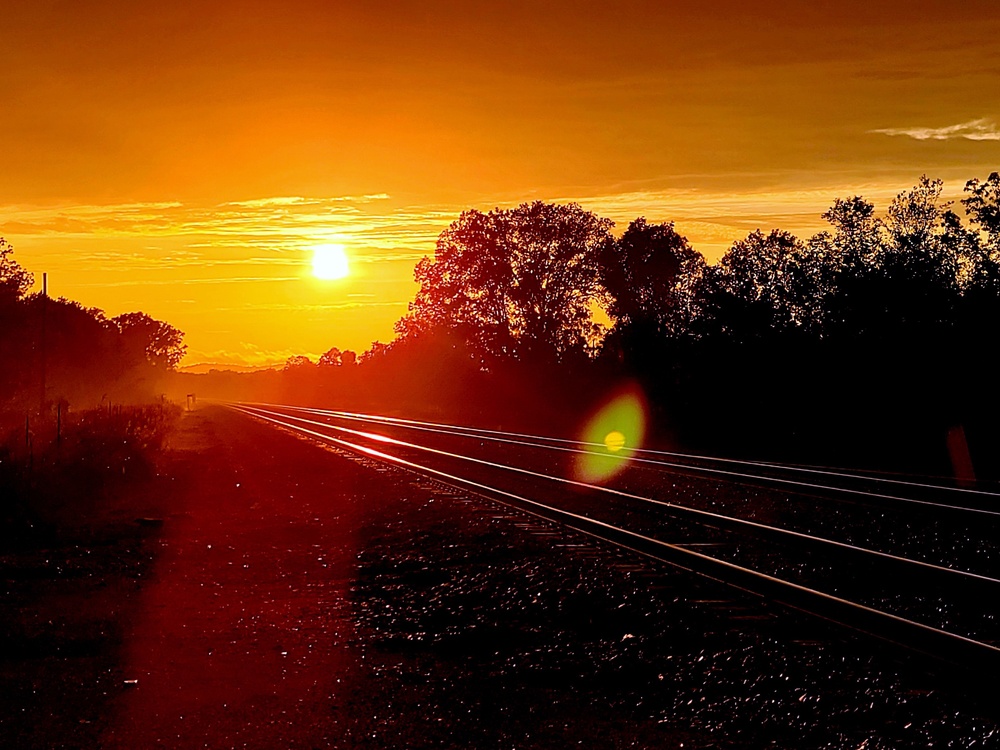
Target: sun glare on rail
<point>611,436</point>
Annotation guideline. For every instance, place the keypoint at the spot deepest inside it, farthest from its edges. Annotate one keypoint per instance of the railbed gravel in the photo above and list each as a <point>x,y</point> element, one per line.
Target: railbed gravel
<point>503,632</point>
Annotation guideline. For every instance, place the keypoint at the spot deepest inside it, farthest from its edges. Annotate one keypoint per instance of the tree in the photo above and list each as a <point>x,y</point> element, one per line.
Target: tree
<point>914,215</point>
<point>979,257</point>
<point>376,353</point>
<point>298,363</point>
<point>14,280</point>
<point>982,265</point>
<point>514,283</point>
<point>333,357</point>
<point>857,236</point>
<point>159,343</point>
<point>983,205</point>
<point>647,275</point>
<point>897,278</point>
<point>764,285</point>
<point>15,333</point>
<point>920,267</point>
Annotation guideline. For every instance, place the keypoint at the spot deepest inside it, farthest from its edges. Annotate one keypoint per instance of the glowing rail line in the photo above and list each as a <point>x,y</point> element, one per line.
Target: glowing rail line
<point>701,515</point>
<point>494,436</point>
<point>910,634</point>
<point>485,433</point>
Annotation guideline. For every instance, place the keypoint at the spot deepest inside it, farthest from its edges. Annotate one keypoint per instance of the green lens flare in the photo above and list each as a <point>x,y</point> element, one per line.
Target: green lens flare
<point>611,437</point>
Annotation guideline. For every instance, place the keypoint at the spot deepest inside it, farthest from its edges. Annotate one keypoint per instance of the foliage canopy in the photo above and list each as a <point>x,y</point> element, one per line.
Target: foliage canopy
<point>516,283</point>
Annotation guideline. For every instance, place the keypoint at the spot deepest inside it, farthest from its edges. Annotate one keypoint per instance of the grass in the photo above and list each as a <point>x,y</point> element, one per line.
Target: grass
<point>56,472</point>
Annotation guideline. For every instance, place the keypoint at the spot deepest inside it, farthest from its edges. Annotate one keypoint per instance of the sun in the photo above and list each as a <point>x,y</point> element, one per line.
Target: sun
<point>329,262</point>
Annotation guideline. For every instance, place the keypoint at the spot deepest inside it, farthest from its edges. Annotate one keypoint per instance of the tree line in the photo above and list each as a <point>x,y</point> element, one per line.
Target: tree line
<point>58,353</point>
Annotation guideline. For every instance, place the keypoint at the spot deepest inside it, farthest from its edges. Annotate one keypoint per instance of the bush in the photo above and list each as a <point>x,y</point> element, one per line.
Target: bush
<point>57,478</point>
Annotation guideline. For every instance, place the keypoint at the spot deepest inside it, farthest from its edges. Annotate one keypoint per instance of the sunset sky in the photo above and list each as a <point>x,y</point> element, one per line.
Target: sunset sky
<point>182,158</point>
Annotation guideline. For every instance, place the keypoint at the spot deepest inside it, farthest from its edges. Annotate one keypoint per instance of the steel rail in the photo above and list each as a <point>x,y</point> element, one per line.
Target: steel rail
<point>725,474</point>
<point>484,433</point>
<point>914,636</point>
<point>703,516</point>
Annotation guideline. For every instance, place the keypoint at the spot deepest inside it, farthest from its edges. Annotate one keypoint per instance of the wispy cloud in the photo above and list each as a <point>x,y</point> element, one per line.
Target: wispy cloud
<point>184,282</point>
<point>283,307</point>
<point>374,231</point>
<point>973,130</point>
<point>296,200</point>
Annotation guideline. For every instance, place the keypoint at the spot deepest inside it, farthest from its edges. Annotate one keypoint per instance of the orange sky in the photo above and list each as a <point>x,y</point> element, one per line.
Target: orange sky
<point>181,160</point>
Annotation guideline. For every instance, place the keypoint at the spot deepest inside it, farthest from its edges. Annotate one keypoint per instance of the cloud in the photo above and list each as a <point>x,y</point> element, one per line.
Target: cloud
<point>284,307</point>
<point>295,200</point>
<point>284,225</point>
<point>973,130</point>
<point>183,282</point>
<point>713,219</point>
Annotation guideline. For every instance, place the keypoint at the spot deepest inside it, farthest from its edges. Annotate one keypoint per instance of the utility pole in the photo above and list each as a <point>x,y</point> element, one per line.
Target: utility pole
<point>43,344</point>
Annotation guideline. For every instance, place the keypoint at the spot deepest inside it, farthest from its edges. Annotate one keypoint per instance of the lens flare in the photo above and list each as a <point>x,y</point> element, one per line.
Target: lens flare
<point>611,436</point>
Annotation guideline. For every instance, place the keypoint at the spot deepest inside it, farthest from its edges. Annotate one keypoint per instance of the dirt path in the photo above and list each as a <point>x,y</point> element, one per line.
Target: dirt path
<point>240,638</point>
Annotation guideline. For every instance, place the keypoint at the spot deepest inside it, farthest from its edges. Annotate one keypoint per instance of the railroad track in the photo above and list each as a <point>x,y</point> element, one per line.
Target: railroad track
<point>663,508</point>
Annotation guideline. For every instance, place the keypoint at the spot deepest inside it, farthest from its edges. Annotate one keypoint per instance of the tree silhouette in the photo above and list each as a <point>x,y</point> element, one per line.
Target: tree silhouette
<point>376,353</point>
<point>647,275</point>
<point>856,240</point>
<point>514,283</point>
<point>979,309</point>
<point>983,205</point>
<point>333,357</point>
<point>57,350</point>
<point>298,363</point>
<point>144,337</point>
<point>14,280</point>
<point>910,287</point>
<point>765,285</point>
